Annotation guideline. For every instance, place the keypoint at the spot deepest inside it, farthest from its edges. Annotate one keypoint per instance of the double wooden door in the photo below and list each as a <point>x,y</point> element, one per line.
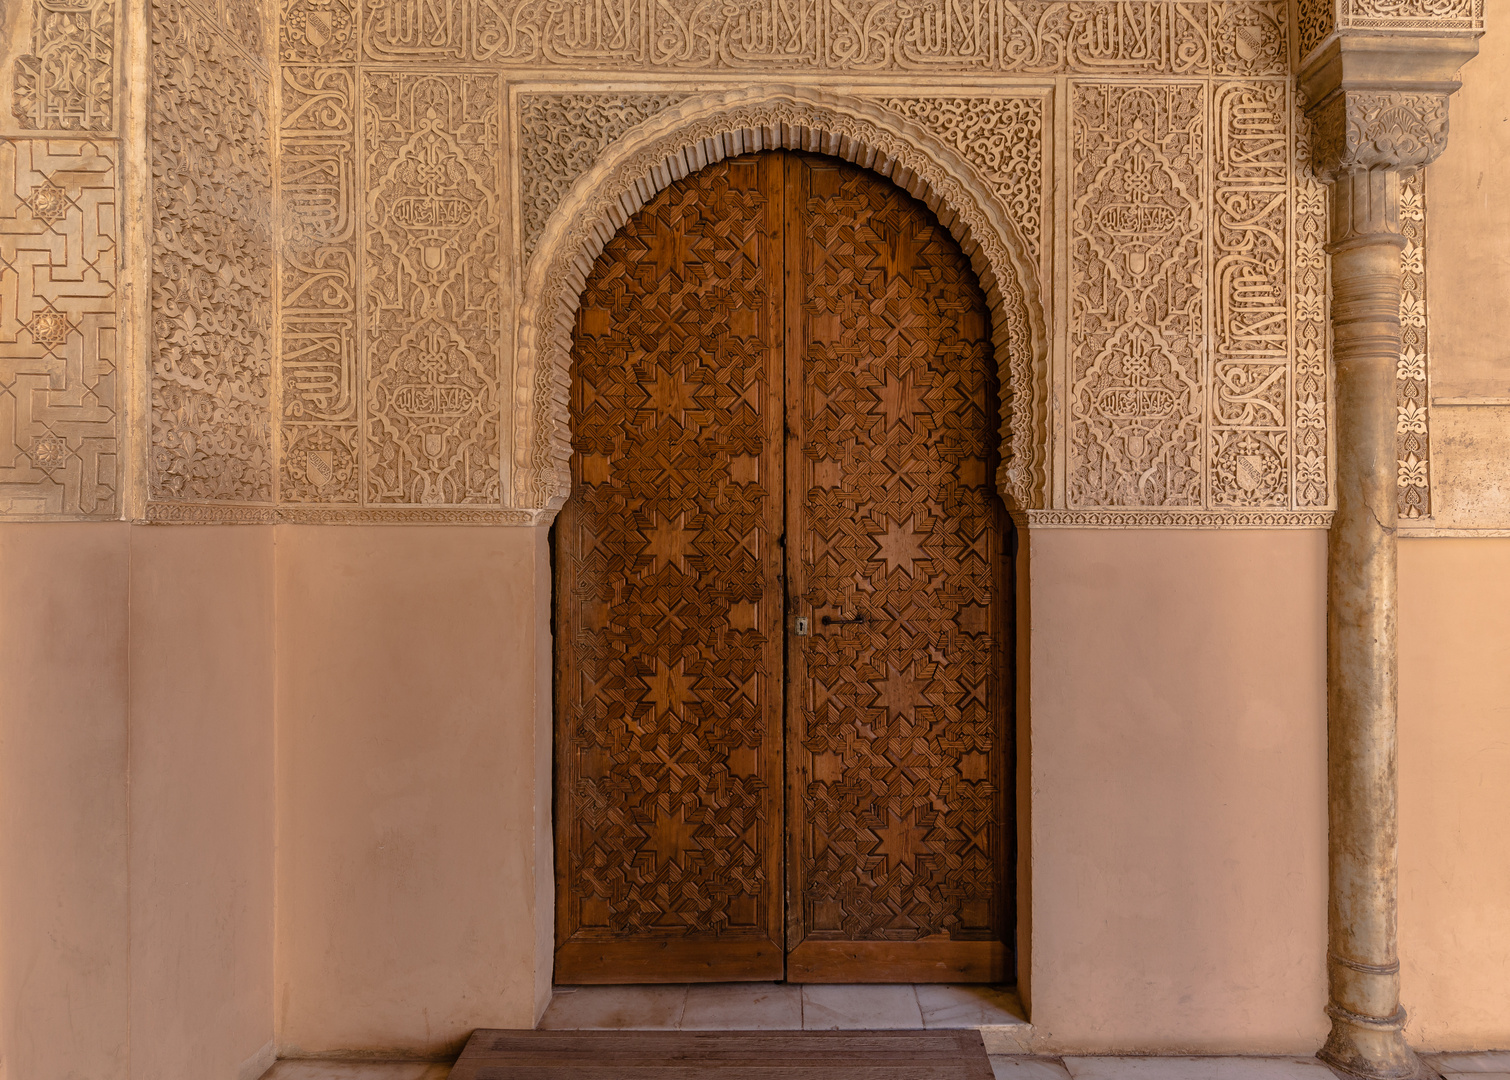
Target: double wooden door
<point>783,607</point>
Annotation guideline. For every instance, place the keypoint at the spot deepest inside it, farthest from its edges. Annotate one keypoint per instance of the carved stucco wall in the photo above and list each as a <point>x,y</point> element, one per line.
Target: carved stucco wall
<point>346,212</point>
<point>60,361</point>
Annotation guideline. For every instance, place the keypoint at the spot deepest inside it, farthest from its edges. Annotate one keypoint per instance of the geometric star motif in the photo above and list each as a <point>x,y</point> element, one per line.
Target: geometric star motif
<point>901,841</point>
<point>668,543</point>
<point>669,690</point>
<point>899,691</point>
<point>900,545</point>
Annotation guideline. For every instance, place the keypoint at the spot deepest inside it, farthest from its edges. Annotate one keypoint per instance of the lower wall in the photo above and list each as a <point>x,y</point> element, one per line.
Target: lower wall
<point>201,781</point>
<point>136,899</point>
<point>411,721</point>
<point>1178,749</point>
<point>64,920</point>
<point>1455,792</point>
<point>1174,751</point>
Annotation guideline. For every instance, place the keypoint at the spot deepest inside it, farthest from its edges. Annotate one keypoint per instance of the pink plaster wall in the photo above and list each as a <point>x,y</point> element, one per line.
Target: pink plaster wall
<point>1177,755</point>
<point>411,716</point>
<point>1455,792</point>
<point>64,919</point>
<point>201,782</point>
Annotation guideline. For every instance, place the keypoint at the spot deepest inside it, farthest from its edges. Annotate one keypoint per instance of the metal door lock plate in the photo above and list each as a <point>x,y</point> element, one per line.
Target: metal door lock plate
<point>802,626</point>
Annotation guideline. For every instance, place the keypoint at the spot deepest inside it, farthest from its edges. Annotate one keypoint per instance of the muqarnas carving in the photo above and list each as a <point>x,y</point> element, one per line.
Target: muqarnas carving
<point>211,264</point>
<point>432,304</point>
<point>1137,296</point>
<point>67,82</point>
<point>58,360</point>
<point>1186,37</point>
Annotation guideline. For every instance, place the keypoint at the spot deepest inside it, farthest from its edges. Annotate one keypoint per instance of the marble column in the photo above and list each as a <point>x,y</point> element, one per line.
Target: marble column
<point>1363,968</point>
<point>1378,109</point>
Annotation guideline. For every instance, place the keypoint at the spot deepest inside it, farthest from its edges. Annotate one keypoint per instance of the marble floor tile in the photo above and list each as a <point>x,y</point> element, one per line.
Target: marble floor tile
<point>743,1007</point>
<point>857,1007</point>
<point>1028,1068</point>
<point>1493,1061</point>
<point>593,1008</point>
<point>1197,1068</point>
<point>966,1006</point>
<point>295,1069</point>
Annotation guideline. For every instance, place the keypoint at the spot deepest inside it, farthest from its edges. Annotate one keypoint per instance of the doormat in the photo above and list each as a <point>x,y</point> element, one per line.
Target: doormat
<point>723,1055</point>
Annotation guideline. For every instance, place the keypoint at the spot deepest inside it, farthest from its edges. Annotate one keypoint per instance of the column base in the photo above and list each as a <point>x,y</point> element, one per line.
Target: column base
<point>1368,1048</point>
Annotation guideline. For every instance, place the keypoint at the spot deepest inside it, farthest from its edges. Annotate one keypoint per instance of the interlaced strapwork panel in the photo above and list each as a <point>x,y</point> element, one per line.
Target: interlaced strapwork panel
<point>669,593</point>
<point>899,696</point>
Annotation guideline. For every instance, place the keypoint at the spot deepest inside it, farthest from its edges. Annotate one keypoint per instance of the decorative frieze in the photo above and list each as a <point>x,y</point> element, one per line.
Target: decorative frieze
<point>1413,401</point>
<point>1175,37</point>
<point>59,240</point>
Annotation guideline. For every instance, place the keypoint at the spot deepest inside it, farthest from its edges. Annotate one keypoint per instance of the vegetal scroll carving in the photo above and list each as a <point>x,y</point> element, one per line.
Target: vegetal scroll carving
<point>211,261</point>
<point>1370,129</point>
<point>1003,137</point>
<point>560,136</point>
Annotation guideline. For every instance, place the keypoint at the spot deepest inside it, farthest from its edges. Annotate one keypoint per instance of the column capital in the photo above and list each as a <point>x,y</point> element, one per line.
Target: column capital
<point>1379,101</point>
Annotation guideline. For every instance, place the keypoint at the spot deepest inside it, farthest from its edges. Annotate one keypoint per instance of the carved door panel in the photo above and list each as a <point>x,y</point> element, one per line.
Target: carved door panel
<point>729,792</point>
<point>669,596</point>
<point>897,702</point>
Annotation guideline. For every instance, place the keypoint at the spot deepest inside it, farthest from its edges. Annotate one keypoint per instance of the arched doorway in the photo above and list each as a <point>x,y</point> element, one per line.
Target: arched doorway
<point>783,595</point>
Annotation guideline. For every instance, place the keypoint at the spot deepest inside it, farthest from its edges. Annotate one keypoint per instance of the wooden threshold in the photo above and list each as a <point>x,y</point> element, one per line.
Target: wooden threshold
<point>898,962</point>
<point>589,963</point>
<point>723,1055</point>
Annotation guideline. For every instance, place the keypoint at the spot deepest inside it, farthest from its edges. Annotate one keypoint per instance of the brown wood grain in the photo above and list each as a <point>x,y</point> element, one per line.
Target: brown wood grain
<point>896,962</point>
<point>784,405</point>
<point>724,1055</point>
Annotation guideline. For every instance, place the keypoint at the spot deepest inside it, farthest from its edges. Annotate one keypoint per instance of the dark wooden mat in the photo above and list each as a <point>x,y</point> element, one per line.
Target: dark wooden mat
<point>723,1055</point>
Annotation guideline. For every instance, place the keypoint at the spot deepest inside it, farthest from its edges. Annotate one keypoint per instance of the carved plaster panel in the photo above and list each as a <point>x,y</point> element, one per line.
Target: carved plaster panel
<point>431,298</point>
<point>67,81</point>
<point>211,257</point>
<point>58,360</point>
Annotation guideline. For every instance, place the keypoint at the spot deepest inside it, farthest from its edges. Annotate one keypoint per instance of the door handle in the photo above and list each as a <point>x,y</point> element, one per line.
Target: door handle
<point>829,620</point>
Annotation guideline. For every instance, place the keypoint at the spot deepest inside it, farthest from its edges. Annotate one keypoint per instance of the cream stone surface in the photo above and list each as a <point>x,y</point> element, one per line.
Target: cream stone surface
<point>1178,770</point>
<point>1455,792</point>
<point>201,783</point>
<point>412,712</point>
<point>64,908</point>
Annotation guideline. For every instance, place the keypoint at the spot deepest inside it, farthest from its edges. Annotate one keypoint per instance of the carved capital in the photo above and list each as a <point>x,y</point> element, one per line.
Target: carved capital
<point>1378,129</point>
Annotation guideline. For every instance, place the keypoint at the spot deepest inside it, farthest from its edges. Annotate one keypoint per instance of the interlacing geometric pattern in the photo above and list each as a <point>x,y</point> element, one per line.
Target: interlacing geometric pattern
<point>897,720</point>
<point>668,594</point>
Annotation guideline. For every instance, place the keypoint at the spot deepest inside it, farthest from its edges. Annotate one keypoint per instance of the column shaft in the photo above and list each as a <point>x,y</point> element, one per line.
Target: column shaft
<point>1363,967</point>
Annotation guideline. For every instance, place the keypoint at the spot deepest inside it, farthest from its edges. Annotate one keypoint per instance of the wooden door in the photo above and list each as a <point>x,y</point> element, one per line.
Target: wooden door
<point>897,700</point>
<point>728,791</point>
